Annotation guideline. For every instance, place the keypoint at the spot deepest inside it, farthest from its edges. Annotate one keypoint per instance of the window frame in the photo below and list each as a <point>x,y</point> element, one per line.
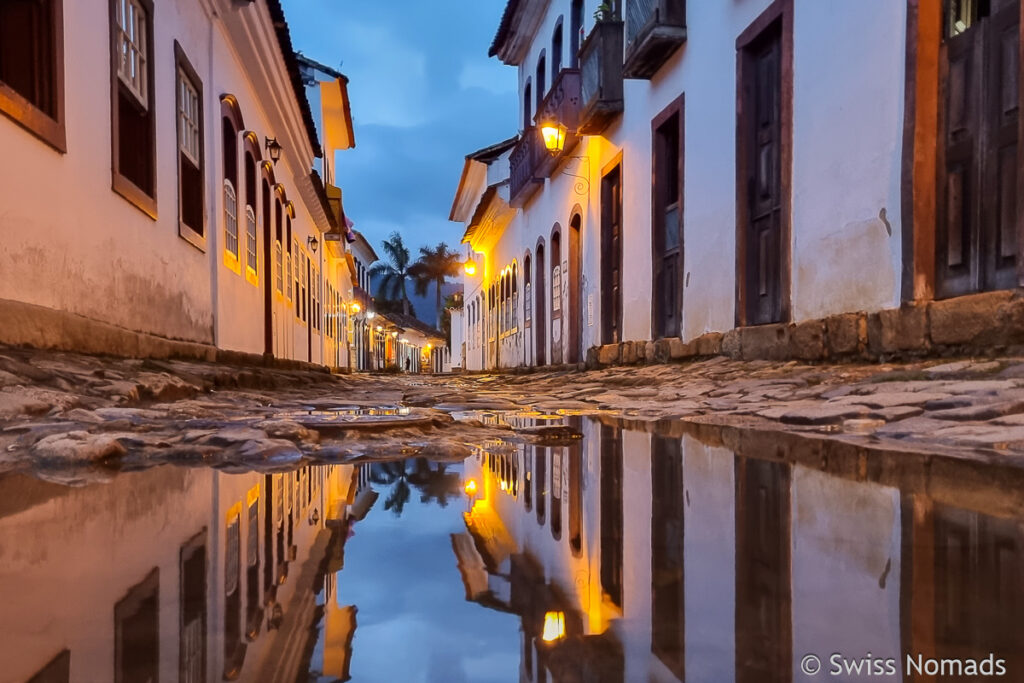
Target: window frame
<point>183,67</point>
<point>120,183</point>
<point>21,110</point>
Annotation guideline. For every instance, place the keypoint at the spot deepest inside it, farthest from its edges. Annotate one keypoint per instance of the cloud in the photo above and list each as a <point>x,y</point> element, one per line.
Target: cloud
<point>487,75</point>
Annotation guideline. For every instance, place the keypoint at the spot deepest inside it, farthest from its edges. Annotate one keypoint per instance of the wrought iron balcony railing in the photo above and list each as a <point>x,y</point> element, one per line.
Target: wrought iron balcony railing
<point>562,106</point>
<point>654,31</point>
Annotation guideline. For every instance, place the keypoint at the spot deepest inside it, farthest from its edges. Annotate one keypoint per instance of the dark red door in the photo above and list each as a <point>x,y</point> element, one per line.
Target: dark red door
<point>611,257</point>
<point>761,113</point>
<point>976,242</point>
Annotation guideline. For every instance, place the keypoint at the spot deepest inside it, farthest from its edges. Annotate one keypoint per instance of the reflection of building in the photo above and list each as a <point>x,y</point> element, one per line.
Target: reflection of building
<point>178,574</point>
<point>674,559</point>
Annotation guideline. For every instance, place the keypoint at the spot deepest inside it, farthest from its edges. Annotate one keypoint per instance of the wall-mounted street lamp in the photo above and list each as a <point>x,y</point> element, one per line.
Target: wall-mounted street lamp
<point>313,243</point>
<point>273,148</point>
<point>470,266</point>
<point>554,136</point>
<point>356,307</point>
<point>370,315</point>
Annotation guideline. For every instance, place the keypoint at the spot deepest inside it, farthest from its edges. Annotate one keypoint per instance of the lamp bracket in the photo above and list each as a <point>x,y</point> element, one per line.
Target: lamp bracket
<point>582,185</point>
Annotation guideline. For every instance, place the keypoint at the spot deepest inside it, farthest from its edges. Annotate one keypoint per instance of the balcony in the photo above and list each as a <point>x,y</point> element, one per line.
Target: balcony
<point>524,165</point>
<point>562,105</point>
<point>601,77</point>
<point>654,31</point>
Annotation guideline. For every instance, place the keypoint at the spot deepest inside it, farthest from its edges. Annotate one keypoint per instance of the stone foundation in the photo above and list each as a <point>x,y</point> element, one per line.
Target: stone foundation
<point>38,327</point>
<point>991,322</point>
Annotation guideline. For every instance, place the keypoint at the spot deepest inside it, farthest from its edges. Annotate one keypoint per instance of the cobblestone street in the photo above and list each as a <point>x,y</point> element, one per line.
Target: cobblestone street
<point>75,418</point>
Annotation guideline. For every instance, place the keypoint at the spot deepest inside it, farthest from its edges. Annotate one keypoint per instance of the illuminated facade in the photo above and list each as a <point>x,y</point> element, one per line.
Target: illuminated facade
<point>193,213</point>
<point>711,166</point>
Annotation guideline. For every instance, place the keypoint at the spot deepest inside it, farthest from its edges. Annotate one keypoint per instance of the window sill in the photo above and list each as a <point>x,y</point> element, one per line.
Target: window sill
<point>251,277</point>
<point>194,238</point>
<point>231,262</point>
<point>134,195</point>
<point>32,119</point>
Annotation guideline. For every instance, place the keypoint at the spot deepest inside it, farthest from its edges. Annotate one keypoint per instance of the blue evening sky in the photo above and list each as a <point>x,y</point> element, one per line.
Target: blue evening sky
<point>424,94</point>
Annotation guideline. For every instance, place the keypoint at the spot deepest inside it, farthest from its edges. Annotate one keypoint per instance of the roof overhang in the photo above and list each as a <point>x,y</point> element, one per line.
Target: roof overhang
<point>519,24</point>
<point>490,218</point>
<point>337,112</point>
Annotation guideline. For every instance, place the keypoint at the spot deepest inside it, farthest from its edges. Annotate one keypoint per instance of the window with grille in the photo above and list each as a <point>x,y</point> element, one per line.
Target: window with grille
<point>296,267</point>
<point>132,41</point>
<point>250,239</point>
<point>189,96</point>
<point>230,219</point>
<point>278,268</point>
<point>132,102</point>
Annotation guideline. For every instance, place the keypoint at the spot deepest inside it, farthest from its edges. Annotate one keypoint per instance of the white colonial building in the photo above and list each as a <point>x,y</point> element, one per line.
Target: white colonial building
<point>163,193</point>
<point>714,166</point>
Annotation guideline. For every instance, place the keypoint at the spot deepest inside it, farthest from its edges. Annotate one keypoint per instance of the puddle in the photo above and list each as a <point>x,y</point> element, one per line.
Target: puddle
<point>641,552</point>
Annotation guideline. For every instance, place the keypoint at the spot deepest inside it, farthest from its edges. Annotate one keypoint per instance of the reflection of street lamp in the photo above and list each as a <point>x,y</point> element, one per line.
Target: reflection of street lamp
<point>470,487</point>
<point>554,626</point>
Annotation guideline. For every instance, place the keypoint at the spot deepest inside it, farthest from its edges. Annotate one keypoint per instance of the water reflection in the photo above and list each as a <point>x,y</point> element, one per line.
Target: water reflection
<point>700,555</point>
<point>654,554</point>
<point>164,575</point>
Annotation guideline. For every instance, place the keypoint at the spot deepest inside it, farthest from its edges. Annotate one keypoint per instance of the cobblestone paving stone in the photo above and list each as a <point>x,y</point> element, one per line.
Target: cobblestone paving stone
<point>74,418</point>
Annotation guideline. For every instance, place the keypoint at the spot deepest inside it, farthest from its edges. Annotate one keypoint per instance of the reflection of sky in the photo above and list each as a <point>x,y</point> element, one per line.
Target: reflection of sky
<point>414,623</point>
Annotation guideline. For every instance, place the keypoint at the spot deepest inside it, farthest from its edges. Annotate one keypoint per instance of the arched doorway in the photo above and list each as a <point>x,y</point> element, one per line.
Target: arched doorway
<point>575,311</point>
<point>540,324</point>
<point>556,296</point>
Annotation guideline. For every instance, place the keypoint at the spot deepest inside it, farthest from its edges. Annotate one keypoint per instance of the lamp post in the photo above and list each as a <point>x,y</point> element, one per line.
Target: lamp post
<point>273,148</point>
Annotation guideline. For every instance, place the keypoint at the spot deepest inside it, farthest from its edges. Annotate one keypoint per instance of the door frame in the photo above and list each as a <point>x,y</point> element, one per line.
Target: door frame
<point>553,262</point>
<point>779,11</point>
<point>575,242</point>
<point>540,318</point>
<point>676,107</point>
<point>919,195</point>
<point>606,295</point>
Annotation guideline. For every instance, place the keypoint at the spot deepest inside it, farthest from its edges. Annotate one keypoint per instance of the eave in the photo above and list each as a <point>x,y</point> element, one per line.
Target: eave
<point>519,24</point>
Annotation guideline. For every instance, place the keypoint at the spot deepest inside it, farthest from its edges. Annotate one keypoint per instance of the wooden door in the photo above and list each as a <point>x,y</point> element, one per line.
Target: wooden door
<point>557,281</point>
<point>976,236</point>
<point>575,288</point>
<point>611,257</point>
<point>763,596</point>
<point>668,601</point>
<point>761,120</point>
<point>667,224</point>
<point>540,324</point>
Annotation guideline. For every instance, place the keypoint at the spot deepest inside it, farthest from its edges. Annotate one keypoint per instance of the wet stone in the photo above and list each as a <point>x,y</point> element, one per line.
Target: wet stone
<point>822,414</point>
<point>986,411</point>
<point>78,446</point>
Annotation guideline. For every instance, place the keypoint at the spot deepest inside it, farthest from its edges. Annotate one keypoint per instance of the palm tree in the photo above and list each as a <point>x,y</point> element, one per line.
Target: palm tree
<point>434,267</point>
<point>394,272</point>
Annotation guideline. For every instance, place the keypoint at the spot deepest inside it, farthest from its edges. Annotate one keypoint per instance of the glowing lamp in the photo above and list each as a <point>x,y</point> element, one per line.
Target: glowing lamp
<point>394,334</point>
<point>471,487</point>
<point>554,627</point>
<point>356,308</point>
<point>554,137</point>
<point>380,328</point>
<point>470,267</point>
<point>370,315</point>
<point>430,346</point>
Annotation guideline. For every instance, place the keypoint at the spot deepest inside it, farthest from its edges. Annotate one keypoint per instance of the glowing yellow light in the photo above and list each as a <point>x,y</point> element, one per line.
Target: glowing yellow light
<point>504,486</point>
<point>430,346</point>
<point>370,315</point>
<point>380,328</point>
<point>394,334</point>
<point>554,137</point>
<point>554,627</point>
<point>470,267</point>
<point>356,308</point>
<point>471,487</point>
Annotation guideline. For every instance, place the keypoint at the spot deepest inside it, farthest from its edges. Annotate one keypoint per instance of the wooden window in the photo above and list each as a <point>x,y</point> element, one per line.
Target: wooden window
<point>32,67</point>
<point>232,637</point>
<point>527,105</point>
<point>541,79</point>
<point>250,241</point>
<point>58,670</point>
<point>191,167</point>
<point>576,26</point>
<point>515,296</point>
<point>288,258</point>
<point>192,611</point>
<point>295,278</point>
<point>133,122</point>
<point>278,251</point>
<point>667,222</point>
<point>253,610</point>
<point>137,632</point>
<point>557,48</point>
<point>528,477</point>
<point>541,468</point>
<point>574,477</point>
<point>230,149</point>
